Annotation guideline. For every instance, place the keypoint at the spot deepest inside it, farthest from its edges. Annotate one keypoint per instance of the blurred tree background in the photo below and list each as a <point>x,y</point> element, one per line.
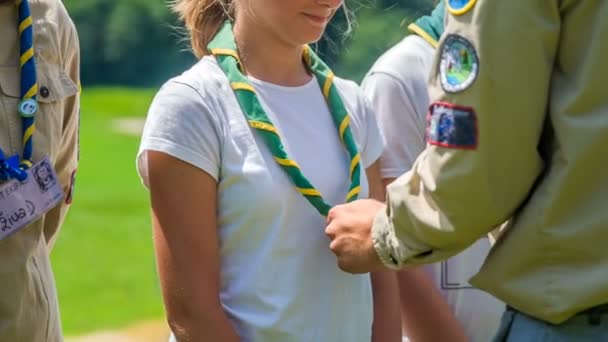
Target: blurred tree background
<point>140,42</point>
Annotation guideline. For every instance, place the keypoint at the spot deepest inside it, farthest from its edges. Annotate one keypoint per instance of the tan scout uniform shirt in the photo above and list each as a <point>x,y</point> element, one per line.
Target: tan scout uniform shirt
<point>539,155</point>
<point>28,300</point>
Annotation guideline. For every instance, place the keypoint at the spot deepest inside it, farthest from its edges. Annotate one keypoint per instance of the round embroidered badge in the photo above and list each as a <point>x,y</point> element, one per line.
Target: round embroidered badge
<point>460,7</point>
<point>459,64</point>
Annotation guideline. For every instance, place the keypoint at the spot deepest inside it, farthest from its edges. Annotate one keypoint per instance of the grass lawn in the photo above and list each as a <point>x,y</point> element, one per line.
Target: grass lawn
<point>103,259</point>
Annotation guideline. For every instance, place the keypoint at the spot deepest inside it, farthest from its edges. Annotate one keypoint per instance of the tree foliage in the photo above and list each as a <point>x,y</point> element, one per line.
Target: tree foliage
<point>140,43</point>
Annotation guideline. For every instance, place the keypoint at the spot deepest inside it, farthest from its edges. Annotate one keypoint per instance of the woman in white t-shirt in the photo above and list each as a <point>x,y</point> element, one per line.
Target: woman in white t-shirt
<point>244,154</point>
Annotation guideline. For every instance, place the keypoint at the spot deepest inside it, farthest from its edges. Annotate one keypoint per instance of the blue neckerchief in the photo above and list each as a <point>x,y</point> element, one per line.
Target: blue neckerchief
<point>11,167</point>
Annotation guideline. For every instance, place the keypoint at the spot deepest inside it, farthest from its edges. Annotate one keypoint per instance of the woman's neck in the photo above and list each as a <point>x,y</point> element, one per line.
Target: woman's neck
<point>266,57</point>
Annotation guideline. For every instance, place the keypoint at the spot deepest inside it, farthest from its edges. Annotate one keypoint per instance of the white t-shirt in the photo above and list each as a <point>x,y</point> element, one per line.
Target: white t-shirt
<point>397,87</point>
<point>279,280</point>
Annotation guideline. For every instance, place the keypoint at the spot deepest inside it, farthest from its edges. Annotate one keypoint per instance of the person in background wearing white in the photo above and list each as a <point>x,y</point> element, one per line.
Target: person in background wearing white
<point>244,154</point>
<point>397,88</point>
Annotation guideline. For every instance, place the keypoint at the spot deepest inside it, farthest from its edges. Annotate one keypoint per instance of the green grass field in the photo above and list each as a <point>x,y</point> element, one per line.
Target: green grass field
<point>103,259</point>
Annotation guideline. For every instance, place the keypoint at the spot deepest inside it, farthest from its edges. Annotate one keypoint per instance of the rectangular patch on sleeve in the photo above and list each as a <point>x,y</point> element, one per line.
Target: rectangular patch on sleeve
<point>452,126</point>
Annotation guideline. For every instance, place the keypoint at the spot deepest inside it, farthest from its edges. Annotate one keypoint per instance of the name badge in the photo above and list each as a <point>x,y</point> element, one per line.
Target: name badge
<point>22,203</point>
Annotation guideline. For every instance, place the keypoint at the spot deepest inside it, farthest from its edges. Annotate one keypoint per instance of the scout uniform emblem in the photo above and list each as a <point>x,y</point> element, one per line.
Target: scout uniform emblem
<point>459,64</point>
<point>460,7</point>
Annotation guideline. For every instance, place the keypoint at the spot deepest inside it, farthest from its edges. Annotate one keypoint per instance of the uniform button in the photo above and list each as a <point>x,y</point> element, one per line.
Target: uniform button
<point>45,92</point>
<point>28,108</point>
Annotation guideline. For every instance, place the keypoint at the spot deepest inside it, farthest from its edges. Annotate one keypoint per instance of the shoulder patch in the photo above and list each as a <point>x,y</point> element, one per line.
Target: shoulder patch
<point>460,7</point>
<point>452,126</point>
<point>459,64</point>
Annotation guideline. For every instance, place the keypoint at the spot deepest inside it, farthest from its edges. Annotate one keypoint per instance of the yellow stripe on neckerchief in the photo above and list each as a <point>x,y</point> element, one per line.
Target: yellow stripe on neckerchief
<point>29,86</point>
<point>423,34</point>
<point>223,47</point>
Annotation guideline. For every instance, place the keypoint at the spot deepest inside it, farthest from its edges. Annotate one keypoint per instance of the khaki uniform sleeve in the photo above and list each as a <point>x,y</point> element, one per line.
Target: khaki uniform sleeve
<point>66,163</point>
<point>489,89</point>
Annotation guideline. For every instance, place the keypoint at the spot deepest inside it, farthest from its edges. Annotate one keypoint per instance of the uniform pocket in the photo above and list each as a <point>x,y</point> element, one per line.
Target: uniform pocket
<point>54,88</point>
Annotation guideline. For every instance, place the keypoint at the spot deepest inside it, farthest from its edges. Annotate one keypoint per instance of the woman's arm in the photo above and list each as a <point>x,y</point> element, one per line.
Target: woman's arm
<point>184,213</point>
<point>387,322</point>
<point>425,314</point>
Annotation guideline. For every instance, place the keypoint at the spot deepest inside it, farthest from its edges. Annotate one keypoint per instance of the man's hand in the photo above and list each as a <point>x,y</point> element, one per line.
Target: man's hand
<point>349,228</point>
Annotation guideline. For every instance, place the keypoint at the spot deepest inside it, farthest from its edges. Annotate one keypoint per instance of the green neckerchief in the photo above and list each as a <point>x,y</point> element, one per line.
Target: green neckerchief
<point>223,47</point>
<point>430,27</point>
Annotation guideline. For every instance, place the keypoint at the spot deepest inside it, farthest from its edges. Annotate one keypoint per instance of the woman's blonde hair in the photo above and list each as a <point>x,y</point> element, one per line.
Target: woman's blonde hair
<point>203,19</point>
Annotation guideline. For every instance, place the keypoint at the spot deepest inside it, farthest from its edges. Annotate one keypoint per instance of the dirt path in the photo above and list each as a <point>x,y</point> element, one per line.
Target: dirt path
<point>153,331</point>
<point>128,125</point>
